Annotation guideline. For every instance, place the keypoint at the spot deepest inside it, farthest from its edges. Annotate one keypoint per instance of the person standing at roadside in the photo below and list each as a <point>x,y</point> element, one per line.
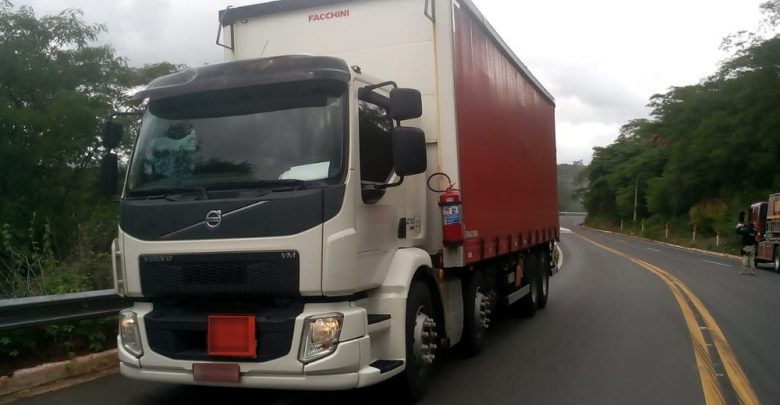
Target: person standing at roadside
<point>748,233</point>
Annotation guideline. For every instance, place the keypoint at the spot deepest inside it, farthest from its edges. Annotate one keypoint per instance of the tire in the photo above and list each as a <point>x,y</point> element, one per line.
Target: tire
<point>527,305</point>
<point>776,259</point>
<point>475,297</point>
<point>544,279</point>
<point>415,379</point>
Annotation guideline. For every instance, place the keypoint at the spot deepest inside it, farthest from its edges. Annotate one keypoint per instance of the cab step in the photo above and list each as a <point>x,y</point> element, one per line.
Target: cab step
<point>386,365</point>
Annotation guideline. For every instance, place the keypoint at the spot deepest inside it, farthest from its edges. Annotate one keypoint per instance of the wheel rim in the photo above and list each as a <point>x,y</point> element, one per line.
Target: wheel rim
<point>424,340</point>
<point>481,311</point>
<point>777,260</point>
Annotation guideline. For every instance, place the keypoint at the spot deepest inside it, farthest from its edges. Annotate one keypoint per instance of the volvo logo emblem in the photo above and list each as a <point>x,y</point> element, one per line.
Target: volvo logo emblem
<point>214,218</point>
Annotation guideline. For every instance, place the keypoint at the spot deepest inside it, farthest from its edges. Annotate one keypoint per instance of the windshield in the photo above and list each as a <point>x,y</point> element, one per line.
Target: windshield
<point>292,131</point>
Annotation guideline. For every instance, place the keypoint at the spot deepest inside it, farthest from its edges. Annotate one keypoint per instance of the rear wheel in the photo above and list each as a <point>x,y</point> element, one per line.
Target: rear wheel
<point>528,304</point>
<point>476,312</point>
<point>421,341</point>
<point>776,259</point>
<point>544,279</point>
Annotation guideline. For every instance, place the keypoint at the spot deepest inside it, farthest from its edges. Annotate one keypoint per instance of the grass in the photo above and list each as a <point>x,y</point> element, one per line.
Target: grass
<point>728,244</point>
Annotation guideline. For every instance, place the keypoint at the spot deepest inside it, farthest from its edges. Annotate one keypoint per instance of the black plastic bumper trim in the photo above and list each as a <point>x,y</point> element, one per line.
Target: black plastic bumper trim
<point>386,365</point>
<point>376,318</point>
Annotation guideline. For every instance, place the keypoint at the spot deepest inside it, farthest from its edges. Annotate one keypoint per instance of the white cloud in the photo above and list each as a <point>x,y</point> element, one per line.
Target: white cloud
<point>601,59</point>
<point>574,138</point>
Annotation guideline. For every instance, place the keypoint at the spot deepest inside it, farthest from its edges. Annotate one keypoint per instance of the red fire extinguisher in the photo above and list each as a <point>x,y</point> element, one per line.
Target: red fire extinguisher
<point>451,213</point>
<point>452,225</point>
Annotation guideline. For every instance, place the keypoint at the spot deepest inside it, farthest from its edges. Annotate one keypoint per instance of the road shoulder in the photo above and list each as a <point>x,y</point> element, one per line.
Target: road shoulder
<point>690,249</point>
<point>53,376</point>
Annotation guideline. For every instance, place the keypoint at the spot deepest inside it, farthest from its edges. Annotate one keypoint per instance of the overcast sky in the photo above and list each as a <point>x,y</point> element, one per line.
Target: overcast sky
<point>601,59</point>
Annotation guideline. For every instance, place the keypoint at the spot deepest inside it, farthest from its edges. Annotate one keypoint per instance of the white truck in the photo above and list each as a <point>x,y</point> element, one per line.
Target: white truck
<point>329,222</point>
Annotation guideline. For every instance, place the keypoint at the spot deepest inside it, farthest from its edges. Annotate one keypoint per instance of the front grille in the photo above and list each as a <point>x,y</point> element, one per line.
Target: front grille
<point>253,274</point>
<point>179,330</point>
<point>219,273</point>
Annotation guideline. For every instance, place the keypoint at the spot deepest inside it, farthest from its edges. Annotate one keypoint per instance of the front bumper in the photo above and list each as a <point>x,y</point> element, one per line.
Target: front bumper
<point>348,367</point>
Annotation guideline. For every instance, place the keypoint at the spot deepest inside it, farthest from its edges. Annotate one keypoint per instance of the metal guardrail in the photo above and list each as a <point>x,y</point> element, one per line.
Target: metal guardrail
<point>50,309</point>
<point>572,214</point>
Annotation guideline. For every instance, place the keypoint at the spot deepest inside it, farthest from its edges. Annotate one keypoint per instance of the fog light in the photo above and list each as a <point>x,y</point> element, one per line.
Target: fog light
<point>129,333</point>
<point>320,336</point>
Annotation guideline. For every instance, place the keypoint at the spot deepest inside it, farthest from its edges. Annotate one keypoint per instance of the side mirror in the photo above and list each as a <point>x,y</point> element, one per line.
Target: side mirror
<point>112,134</point>
<point>405,104</point>
<point>109,173</point>
<point>741,217</point>
<point>409,155</point>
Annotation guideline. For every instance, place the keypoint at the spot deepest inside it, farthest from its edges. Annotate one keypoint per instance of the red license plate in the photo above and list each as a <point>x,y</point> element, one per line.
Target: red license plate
<point>214,372</point>
<point>232,336</point>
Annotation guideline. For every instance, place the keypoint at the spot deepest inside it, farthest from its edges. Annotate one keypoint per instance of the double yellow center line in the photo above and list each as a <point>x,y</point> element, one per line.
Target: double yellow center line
<point>699,327</point>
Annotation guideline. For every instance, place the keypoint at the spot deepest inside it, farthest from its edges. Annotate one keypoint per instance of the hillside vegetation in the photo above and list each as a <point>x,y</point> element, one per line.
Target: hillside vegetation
<point>709,150</point>
<point>570,184</point>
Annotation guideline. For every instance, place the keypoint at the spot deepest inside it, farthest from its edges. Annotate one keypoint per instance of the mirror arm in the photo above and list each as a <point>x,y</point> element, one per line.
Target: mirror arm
<point>388,185</point>
<point>383,84</point>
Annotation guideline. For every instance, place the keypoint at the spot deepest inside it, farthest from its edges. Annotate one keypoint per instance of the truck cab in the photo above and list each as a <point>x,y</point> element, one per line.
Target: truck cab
<point>766,217</point>
<point>249,184</point>
<point>757,216</point>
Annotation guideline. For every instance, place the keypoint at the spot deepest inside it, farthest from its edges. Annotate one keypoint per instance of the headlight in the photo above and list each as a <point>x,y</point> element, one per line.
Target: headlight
<point>320,336</point>
<point>129,333</point>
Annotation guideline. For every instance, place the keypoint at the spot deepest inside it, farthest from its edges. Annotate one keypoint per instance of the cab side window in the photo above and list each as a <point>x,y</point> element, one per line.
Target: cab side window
<point>376,144</point>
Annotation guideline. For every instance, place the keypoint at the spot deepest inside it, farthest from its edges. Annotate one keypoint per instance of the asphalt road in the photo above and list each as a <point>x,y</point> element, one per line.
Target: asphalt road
<point>613,333</point>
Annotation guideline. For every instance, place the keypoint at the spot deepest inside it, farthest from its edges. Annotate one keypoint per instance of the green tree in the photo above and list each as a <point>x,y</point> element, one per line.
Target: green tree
<point>709,149</point>
<point>56,86</point>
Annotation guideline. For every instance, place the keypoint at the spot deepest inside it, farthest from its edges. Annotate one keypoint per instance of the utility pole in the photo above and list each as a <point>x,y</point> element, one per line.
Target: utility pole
<point>636,195</point>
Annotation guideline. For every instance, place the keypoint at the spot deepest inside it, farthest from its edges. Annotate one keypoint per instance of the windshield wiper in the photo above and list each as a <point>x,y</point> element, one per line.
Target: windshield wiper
<point>168,193</point>
<point>272,185</point>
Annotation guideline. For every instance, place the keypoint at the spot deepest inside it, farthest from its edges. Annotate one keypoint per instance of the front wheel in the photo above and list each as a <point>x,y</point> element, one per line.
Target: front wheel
<point>421,341</point>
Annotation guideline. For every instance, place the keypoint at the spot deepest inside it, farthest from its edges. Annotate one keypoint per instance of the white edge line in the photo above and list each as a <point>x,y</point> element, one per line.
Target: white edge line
<point>719,264</point>
<point>667,244</point>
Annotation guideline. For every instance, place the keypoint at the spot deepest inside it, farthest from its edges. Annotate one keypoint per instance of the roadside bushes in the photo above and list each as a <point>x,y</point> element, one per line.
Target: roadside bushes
<point>29,347</point>
<point>35,267</point>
